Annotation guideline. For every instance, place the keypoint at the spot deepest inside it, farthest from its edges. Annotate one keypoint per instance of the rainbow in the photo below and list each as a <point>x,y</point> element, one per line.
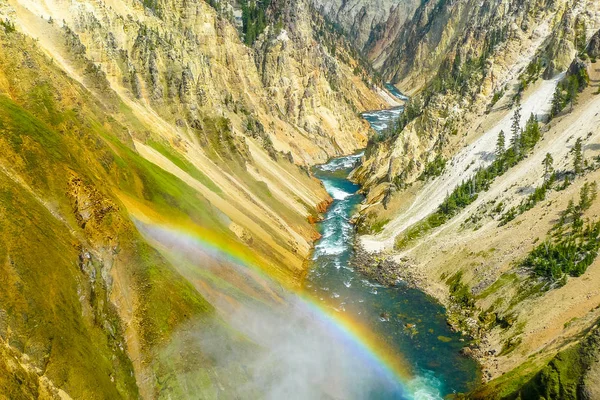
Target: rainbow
<point>363,339</point>
<point>359,336</point>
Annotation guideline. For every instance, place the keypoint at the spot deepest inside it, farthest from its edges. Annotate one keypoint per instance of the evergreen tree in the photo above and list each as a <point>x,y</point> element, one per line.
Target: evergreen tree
<point>580,37</point>
<point>532,133</point>
<point>566,183</point>
<point>500,144</point>
<point>557,102</point>
<point>587,194</point>
<point>548,166</point>
<point>585,200</point>
<point>515,129</point>
<point>568,213</point>
<point>573,90</point>
<point>254,20</point>
<point>578,157</point>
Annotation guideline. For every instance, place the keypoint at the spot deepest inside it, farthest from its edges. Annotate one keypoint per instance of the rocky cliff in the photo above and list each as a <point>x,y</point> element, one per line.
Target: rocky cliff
<point>367,22</point>
<point>461,59</point>
<point>481,219</point>
<point>129,128</point>
<point>191,61</point>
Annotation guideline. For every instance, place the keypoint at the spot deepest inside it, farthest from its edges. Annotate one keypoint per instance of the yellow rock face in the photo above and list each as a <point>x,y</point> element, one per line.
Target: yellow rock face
<point>115,118</point>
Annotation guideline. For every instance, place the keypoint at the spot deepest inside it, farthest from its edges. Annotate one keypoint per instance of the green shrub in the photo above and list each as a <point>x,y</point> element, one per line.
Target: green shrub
<point>460,291</point>
<point>467,192</point>
<point>573,245</point>
<point>434,168</point>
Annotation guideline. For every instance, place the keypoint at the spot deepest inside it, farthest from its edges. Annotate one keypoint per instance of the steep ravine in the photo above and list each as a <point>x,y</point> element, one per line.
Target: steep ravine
<point>158,213</point>
<point>534,330</point>
<point>128,136</point>
<point>411,325</point>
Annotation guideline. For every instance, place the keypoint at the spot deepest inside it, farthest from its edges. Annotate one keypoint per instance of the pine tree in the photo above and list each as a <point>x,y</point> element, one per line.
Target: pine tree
<point>578,157</point>
<point>532,133</point>
<point>557,102</point>
<point>587,194</point>
<point>573,90</point>
<point>585,200</point>
<point>515,139</point>
<point>593,191</point>
<point>500,144</point>
<point>548,166</point>
<point>570,211</point>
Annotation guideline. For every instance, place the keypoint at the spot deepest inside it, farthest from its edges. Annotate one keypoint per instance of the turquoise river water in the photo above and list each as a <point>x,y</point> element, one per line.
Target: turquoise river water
<point>404,318</point>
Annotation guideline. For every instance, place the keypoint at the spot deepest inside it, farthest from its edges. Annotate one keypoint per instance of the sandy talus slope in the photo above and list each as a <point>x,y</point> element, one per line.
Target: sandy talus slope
<point>520,320</point>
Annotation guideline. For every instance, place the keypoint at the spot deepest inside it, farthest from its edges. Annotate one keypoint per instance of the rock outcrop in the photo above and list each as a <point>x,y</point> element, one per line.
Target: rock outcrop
<point>470,227</point>
<point>455,58</point>
<point>593,49</point>
<point>128,128</point>
<point>365,21</point>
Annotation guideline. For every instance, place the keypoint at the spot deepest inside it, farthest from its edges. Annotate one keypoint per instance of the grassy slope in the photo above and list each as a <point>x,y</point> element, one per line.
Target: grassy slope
<point>44,315</point>
<point>563,377</point>
<point>63,159</point>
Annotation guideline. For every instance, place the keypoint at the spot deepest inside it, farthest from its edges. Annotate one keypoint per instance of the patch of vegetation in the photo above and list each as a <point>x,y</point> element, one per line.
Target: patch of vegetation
<point>460,292</point>
<point>151,5</point>
<point>498,94</point>
<point>510,345</point>
<point>466,193</point>
<point>531,73</point>
<point>569,322</point>
<point>538,195</point>
<point>505,385</point>
<point>580,36</point>
<point>564,376</point>
<point>254,19</point>
<point>458,76</point>
<point>568,90</point>
<point>502,281</point>
<point>256,130</point>
<point>572,245</point>
<point>550,177</point>
<point>413,108</point>
<point>9,27</point>
<point>185,165</point>
<point>378,226</point>
<point>371,224</point>
<point>434,168</point>
<point>216,136</point>
<point>419,230</point>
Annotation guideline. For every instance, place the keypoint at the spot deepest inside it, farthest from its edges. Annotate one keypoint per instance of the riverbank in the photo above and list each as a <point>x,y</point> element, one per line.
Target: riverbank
<point>393,271</point>
<point>518,320</point>
<point>403,319</point>
<point>385,270</point>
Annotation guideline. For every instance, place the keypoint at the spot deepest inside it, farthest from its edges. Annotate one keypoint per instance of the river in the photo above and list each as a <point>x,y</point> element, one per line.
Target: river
<point>403,319</point>
<point>340,337</point>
